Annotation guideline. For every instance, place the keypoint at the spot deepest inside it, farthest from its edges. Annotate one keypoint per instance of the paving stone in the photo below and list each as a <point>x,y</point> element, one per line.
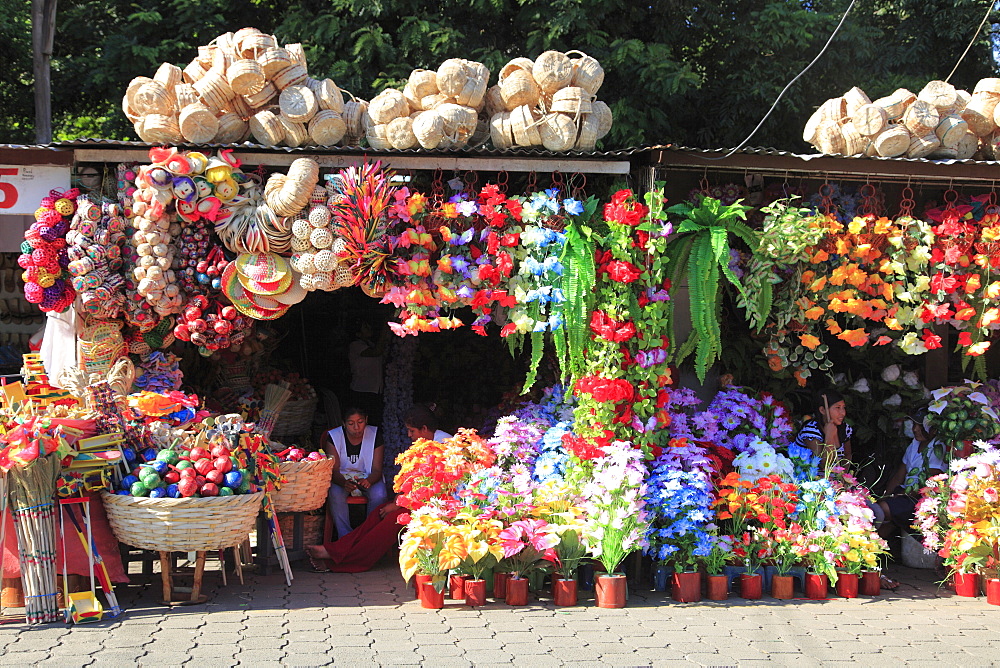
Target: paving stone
<point>257,657</point>
<point>157,659</point>
<point>302,660</point>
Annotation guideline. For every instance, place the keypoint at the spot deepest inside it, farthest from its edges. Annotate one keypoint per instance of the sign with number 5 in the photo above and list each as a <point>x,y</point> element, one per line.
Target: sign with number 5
<point>22,187</point>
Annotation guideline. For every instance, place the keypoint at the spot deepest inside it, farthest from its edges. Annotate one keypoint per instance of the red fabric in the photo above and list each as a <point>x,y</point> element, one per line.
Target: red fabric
<point>361,549</point>
<point>107,544</point>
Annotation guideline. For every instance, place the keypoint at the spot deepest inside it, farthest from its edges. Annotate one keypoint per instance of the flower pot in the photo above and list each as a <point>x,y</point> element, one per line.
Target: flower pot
<point>871,583</point>
<point>611,591</point>
<point>456,587</point>
<point>500,584</point>
<point>718,588</point>
<point>661,575</point>
<point>417,581</point>
<point>687,587</point>
<point>993,591</point>
<point>475,592</point>
<point>782,587</point>
<point>816,586</point>
<point>431,598</point>
<point>563,592</point>
<point>751,586</point>
<point>967,584</point>
<point>847,585</point>
<point>517,591</point>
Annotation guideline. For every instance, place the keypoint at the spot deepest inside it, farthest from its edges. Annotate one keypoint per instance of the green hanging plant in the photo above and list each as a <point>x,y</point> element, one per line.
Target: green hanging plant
<point>579,279</point>
<point>699,254</point>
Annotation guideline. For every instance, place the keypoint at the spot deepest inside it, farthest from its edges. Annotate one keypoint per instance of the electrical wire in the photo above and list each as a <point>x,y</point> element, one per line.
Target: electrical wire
<point>789,85</point>
<point>989,10</point>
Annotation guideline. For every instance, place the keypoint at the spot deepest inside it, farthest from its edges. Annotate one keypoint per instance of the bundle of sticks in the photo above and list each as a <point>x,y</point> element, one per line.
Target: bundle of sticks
<point>275,398</point>
<point>30,490</point>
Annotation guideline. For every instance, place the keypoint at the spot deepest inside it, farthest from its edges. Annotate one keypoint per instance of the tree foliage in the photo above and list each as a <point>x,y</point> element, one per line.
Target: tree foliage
<point>696,73</point>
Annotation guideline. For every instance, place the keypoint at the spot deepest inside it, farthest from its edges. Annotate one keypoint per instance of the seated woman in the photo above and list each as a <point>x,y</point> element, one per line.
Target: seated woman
<point>359,550</point>
<point>828,436</point>
<point>922,460</point>
<point>357,450</point>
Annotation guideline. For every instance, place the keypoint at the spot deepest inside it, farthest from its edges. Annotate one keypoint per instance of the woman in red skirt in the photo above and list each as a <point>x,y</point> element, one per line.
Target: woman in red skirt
<point>361,549</point>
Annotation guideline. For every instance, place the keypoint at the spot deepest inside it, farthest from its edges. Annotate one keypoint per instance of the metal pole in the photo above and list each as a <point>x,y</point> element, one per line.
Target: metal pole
<point>43,29</point>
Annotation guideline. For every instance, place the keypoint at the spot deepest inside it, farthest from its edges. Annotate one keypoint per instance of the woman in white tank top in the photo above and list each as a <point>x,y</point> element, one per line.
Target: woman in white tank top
<point>358,452</point>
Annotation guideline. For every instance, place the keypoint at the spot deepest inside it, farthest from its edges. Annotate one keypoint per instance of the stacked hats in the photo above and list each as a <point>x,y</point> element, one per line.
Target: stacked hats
<point>43,253</point>
<point>261,285</point>
<point>95,241</point>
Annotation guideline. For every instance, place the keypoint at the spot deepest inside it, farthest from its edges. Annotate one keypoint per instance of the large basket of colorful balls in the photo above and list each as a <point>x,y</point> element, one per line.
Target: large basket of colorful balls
<point>192,501</point>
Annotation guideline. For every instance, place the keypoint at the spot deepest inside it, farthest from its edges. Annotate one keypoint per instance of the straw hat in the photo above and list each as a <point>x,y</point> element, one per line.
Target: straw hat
<point>295,293</point>
<point>262,267</point>
<point>254,288</point>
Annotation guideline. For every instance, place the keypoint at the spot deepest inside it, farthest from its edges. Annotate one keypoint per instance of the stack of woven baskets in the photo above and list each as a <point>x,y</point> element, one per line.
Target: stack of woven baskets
<point>939,122</point>
<point>240,84</point>
<point>550,102</point>
<point>435,110</point>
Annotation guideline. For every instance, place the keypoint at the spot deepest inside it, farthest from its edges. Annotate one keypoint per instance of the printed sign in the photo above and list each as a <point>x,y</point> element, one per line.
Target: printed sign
<point>22,187</point>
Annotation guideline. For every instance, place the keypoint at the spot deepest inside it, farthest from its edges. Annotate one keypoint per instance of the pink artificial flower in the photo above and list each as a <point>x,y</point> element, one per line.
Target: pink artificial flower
<point>990,495</point>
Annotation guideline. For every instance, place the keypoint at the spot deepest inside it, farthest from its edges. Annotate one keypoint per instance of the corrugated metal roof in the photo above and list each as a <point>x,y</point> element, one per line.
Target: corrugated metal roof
<point>334,150</point>
<point>764,150</point>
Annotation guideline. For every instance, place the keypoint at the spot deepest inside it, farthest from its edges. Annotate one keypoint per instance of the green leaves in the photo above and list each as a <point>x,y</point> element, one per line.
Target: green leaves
<point>700,255</point>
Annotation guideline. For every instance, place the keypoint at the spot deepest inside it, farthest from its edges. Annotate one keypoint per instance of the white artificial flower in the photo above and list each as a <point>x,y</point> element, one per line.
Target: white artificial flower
<point>894,400</point>
<point>891,373</point>
<point>839,378</point>
<point>861,386</point>
<point>911,379</point>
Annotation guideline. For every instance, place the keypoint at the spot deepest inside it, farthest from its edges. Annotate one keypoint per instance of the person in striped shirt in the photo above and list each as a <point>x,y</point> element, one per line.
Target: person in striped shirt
<point>827,435</point>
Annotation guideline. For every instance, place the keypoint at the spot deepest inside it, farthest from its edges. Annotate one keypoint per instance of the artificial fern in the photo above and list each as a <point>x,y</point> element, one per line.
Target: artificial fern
<point>700,254</point>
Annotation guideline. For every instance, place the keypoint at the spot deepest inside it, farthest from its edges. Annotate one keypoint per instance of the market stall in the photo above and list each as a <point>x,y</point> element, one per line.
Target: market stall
<point>169,271</point>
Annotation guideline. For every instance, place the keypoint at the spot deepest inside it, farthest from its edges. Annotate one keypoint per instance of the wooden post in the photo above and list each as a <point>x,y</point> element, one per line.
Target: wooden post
<point>43,29</point>
<point>199,573</point>
<point>166,573</point>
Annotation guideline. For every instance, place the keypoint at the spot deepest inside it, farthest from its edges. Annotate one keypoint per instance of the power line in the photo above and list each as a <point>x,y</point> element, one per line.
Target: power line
<point>989,10</point>
<point>789,85</point>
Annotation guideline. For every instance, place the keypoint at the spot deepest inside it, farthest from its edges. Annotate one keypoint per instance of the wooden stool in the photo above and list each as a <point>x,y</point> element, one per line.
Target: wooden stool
<point>169,570</point>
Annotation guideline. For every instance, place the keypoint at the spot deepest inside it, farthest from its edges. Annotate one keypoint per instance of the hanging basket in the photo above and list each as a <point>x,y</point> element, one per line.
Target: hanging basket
<point>295,419</point>
<point>306,486</point>
<point>182,525</point>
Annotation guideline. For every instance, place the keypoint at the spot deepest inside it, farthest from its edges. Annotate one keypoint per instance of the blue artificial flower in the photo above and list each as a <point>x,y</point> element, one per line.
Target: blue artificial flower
<point>573,207</point>
<point>540,326</point>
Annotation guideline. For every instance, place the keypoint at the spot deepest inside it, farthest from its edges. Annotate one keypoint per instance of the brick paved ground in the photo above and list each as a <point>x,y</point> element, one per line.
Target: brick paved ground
<point>370,619</point>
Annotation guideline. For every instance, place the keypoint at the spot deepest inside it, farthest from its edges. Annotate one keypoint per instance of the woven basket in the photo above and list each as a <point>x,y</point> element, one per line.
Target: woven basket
<point>312,528</point>
<point>295,419</point>
<point>182,525</point>
<point>306,485</point>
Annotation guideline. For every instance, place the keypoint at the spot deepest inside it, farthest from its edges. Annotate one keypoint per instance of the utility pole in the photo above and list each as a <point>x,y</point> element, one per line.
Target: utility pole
<point>43,30</point>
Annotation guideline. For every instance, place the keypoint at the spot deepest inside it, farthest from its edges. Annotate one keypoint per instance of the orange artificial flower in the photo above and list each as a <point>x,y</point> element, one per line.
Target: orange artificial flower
<point>972,283</point>
<point>832,326</point>
<point>809,341</point>
<point>818,284</point>
<point>820,256</point>
<point>808,276</point>
<point>990,316</point>
<point>815,313</point>
<point>855,337</point>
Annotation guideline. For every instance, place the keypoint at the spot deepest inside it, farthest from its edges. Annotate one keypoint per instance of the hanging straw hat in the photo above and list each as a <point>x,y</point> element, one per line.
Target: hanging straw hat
<point>262,288</point>
<point>263,267</point>
<point>295,293</point>
<point>234,290</point>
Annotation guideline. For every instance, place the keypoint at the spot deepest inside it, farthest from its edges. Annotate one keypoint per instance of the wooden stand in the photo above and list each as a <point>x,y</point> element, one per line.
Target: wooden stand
<point>169,570</point>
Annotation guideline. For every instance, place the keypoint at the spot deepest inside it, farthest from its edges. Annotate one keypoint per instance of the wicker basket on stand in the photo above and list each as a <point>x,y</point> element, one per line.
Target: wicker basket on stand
<point>295,419</point>
<point>182,525</point>
<point>306,486</point>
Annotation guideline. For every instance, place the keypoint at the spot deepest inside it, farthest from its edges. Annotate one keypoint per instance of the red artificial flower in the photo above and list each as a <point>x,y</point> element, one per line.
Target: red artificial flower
<point>504,299</point>
<point>941,282</point>
<point>931,340</point>
<point>508,329</point>
<point>939,312</point>
<point>510,239</point>
<point>605,390</point>
<point>621,271</point>
<point>964,339</point>
<point>581,448</point>
<point>609,329</point>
